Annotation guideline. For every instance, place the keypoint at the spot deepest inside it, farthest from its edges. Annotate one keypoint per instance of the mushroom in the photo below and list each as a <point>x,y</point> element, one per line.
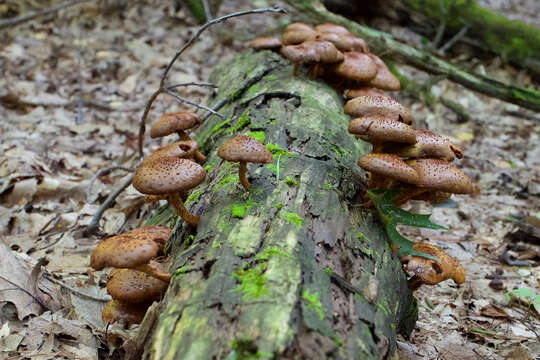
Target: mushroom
<point>356,66</point>
<point>428,144</point>
<point>347,42</point>
<point>384,79</point>
<point>312,51</point>
<point>332,28</point>
<point>116,310</point>
<point>184,149</point>
<point>265,43</point>
<point>440,175</point>
<point>134,286</point>
<point>385,168</point>
<point>378,105</point>
<point>377,129</point>
<point>295,37</point>
<point>244,149</point>
<point>131,250</point>
<point>177,122</point>
<point>362,91</point>
<point>297,26</point>
<point>431,272</point>
<point>170,175</point>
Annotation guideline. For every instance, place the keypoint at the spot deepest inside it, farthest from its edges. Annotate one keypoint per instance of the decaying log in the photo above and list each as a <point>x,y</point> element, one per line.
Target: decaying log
<point>297,268</point>
<point>381,42</point>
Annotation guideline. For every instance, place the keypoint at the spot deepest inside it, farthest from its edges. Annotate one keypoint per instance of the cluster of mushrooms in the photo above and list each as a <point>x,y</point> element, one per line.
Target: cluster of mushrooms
<point>417,161</point>
<point>138,278</point>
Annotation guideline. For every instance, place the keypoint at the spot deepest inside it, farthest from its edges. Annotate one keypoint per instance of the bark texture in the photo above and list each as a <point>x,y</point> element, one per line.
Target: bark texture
<point>296,268</point>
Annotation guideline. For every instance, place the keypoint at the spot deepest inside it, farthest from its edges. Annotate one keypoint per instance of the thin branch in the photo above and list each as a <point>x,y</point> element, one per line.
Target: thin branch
<point>181,99</point>
<point>454,39</point>
<point>172,87</point>
<point>94,224</point>
<point>77,292</point>
<point>23,18</point>
<point>208,24</point>
<point>216,107</point>
<point>100,172</point>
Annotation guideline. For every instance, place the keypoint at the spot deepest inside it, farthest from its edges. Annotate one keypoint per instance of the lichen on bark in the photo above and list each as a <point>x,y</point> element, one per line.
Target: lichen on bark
<point>262,282</point>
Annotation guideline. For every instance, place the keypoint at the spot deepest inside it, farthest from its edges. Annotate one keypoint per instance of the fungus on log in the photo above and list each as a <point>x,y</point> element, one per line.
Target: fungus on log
<point>285,268</point>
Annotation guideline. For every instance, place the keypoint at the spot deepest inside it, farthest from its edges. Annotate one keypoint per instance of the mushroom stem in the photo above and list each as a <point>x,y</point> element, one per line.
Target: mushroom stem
<point>242,175</point>
<point>176,202</point>
<point>414,282</point>
<point>185,137</point>
<point>153,271</point>
<point>295,69</point>
<point>406,194</point>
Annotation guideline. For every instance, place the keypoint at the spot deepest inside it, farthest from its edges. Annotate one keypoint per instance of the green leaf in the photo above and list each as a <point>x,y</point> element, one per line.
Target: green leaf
<point>392,215</point>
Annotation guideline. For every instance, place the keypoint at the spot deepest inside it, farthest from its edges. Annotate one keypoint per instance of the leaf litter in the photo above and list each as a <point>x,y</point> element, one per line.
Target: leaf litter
<point>73,89</point>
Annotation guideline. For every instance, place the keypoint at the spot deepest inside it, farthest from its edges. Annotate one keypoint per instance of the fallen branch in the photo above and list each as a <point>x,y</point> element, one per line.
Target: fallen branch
<point>101,172</point>
<point>384,42</point>
<point>23,18</point>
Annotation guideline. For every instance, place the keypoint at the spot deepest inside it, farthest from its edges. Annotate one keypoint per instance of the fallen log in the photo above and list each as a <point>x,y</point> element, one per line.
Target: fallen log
<point>297,267</point>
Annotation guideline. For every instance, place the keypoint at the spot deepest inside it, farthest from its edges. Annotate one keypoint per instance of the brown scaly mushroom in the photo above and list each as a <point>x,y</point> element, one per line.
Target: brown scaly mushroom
<point>132,250</point>
<point>431,272</point>
<point>295,37</point>
<point>386,169</point>
<point>171,176</point>
<point>377,129</point>
<point>362,91</point>
<point>116,310</point>
<point>177,122</point>
<point>297,26</point>
<point>312,51</point>
<point>356,66</point>
<point>347,42</point>
<point>134,286</point>
<point>440,175</point>
<point>265,43</point>
<point>182,149</point>
<point>428,144</point>
<point>384,79</point>
<point>332,28</point>
<point>378,105</point>
<point>244,149</point>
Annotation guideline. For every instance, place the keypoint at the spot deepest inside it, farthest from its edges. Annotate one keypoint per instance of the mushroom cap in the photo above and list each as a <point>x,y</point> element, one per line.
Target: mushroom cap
<point>182,149</point>
<point>432,272</point>
<point>390,166</point>
<point>264,43</point>
<point>347,42</point>
<point>297,26</point>
<point>127,250</point>
<point>356,66</point>
<point>433,196</point>
<point>378,129</point>
<point>245,148</point>
<point>159,234</point>
<point>362,91</point>
<point>173,122</point>
<point>134,286</point>
<point>384,79</point>
<point>378,105</point>
<point>332,28</point>
<point>295,37</point>
<point>429,144</point>
<point>312,51</point>
<point>116,310</point>
<point>167,174</point>
<point>441,175</point>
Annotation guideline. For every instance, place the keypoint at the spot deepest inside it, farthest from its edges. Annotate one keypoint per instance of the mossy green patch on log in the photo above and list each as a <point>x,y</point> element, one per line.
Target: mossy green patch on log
<point>264,290</point>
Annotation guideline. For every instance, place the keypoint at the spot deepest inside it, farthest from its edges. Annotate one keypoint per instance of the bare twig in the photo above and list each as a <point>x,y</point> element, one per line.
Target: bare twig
<point>181,99</point>
<point>171,87</point>
<point>216,107</point>
<point>75,291</point>
<point>101,172</point>
<point>23,18</point>
<point>461,33</point>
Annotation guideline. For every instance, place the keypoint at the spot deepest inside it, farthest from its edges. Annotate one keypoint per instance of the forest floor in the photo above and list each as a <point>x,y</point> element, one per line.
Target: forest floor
<point>73,89</point>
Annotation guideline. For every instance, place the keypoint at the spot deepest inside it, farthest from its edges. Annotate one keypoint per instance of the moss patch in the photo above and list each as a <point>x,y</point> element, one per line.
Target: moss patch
<point>252,282</point>
<point>293,218</point>
<point>313,302</point>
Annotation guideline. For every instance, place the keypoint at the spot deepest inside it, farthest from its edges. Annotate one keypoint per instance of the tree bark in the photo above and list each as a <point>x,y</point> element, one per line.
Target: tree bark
<point>297,267</point>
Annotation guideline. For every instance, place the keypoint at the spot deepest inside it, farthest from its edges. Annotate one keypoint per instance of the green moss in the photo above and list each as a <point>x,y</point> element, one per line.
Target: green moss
<point>183,270</point>
<point>314,302</point>
<point>242,121</point>
<point>257,135</point>
<point>219,126</point>
<point>383,306</point>
<point>277,150</point>
<point>360,235</point>
<point>239,210</point>
<point>246,349</point>
<point>193,197</point>
<point>228,175</point>
<point>293,218</point>
<point>216,244</point>
<point>272,167</point>
<point>252,282</point>
<point>328,270</point>
<point>268,252</point>
<point>290,181</point>
<point>209,167</point>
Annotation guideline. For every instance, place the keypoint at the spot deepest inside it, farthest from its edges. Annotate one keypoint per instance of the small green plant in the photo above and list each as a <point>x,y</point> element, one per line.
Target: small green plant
<point>257,135</point>
<point>290,181</point>
<point>293,218</point>
<point>251,281</point>
<point>314,302</point>
<point>527,295</point>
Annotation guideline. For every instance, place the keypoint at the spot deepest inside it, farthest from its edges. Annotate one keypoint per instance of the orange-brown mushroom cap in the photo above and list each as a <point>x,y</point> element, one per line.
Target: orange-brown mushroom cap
<point>173,122</point>
<point>134,286</point>
<point>116,310</point>
<point>384,79</point>
<point>265,43</point>
<point>441,175</point>
<point>332,28</point>
<point>312,51</point>
<point>295,37</point>
<point>432,272</point>
<point>347,42</point>
<point>182,149</point>
<point>378,105</point>
<point>245,148</point>
<point>379,129</point>
<point>429,144</point>
<point>362,91</point>
<point>356,66</point>
<point>390,166</point>
<point>167,174</point>
<point>297,26</point>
